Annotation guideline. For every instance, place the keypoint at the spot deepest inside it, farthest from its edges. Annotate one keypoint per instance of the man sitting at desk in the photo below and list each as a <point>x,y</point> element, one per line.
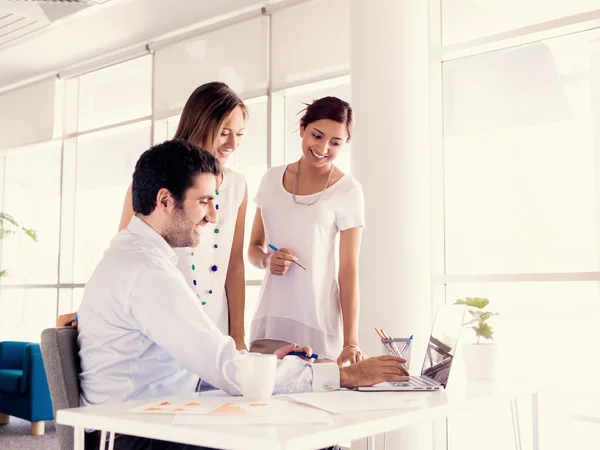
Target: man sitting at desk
<point>142,330</point>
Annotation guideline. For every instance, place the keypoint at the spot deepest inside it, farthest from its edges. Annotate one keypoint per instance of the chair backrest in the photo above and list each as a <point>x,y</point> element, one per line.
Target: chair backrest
<point>61,361</point>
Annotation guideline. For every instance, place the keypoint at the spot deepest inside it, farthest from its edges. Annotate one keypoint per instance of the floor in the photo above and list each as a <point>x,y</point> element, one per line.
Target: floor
<point>17,436</point>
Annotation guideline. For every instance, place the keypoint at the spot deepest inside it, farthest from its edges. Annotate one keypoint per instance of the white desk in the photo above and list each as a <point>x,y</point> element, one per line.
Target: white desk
<point>585,407</point>
<point>346,427</point>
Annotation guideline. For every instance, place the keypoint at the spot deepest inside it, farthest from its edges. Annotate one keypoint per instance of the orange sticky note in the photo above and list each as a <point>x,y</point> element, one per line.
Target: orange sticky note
<point>258,404</point>
<point>164,403</point>
<point>154,409</point>
<point>179,409</point>
<point>193,404</point>
<point>229,408</point>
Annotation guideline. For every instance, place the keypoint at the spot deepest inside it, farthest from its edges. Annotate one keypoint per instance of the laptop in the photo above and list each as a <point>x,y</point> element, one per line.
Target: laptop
<point>438,357</point>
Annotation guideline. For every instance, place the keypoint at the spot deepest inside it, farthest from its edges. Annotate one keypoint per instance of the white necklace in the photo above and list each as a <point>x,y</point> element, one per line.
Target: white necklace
<point>296,186</point>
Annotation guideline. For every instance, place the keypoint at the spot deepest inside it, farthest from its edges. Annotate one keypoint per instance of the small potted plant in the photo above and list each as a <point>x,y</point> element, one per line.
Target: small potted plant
<point>481,356</point>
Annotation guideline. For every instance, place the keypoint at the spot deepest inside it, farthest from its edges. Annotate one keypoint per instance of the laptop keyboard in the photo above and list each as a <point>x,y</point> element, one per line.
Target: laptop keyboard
<point>415,382</point>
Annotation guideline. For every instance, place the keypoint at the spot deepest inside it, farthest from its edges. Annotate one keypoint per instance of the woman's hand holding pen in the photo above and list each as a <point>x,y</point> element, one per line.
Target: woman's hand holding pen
<point>279,262</point>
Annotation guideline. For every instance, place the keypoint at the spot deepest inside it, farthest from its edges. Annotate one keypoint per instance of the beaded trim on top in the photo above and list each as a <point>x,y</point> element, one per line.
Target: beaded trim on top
<point>212,268</point>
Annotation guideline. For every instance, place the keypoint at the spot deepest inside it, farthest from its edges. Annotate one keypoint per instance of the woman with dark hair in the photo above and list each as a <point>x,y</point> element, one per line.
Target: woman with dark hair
<point>302,210</point>
<point>214,118</point>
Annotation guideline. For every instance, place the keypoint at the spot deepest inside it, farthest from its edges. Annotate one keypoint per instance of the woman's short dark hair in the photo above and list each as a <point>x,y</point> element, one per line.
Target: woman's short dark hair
<point>331,108</point>
<point>172,165</point>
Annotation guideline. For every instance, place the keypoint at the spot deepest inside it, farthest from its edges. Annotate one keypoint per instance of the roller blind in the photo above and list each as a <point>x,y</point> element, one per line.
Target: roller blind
<point>235,55</point>
<point>27,114</point>
<point>310,42</point>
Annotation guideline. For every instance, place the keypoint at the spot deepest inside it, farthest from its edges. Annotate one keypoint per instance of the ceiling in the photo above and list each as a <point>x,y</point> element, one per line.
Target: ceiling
<point>22,18</point>
<point>41,37</point>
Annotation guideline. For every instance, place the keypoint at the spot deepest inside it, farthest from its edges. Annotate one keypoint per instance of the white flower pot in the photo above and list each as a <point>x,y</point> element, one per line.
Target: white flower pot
<point>480,361</point>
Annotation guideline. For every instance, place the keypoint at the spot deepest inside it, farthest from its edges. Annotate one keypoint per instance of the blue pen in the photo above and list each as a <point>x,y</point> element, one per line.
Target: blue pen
<point>406,345</point>
<point>275,249</point>
<point>304,355</point>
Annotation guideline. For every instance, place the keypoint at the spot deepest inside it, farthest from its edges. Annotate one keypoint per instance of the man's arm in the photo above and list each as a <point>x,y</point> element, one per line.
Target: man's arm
<point>167,312</point>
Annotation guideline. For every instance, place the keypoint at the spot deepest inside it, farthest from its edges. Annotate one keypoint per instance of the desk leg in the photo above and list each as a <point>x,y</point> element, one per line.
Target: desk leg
<point>371,443</point>
<point>102,440</point>
<point>111,441</point>
<point>79,438</point>
<point>516,428</point>
<point>535,421</point>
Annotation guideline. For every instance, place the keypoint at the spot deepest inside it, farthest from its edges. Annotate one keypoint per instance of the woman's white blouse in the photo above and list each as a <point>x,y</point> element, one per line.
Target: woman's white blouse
<point>304,306</point>
<point>205,267</point>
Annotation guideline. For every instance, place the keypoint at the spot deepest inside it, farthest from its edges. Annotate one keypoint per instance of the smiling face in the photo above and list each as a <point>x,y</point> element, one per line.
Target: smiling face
<point>187,219</point>
<point>229,137</point>
<point>322,141</point>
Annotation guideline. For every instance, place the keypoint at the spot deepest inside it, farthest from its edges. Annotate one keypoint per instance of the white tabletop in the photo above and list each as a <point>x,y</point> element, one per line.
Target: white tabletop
<point>583,406</point>
<point>345,427</point>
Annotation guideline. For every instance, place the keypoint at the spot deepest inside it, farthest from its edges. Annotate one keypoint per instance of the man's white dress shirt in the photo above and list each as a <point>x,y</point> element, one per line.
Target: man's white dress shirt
<point>142,333</point>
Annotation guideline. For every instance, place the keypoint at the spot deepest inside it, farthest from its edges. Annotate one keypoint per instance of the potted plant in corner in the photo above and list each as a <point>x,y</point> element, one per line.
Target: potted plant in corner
<point>9,226</point>
<point>481,356</point>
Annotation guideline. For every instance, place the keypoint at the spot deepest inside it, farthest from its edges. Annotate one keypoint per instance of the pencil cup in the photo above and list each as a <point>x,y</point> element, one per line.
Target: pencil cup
<point>394,346</point>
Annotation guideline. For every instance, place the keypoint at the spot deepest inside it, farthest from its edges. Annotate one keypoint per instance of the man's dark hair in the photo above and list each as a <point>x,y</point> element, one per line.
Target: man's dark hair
<point>172,165</point>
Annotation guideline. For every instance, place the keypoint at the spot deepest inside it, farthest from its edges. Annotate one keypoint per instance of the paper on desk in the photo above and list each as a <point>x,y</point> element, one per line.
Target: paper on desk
<point>208,406</point>
<point>283,413</point>
<point>340,402</point>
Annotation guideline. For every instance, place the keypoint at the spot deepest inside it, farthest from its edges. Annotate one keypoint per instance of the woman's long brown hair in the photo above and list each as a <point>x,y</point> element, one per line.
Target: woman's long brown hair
<point>205,112</point>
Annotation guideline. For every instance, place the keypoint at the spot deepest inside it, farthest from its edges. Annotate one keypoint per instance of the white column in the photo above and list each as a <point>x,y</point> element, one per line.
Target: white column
<point>390,72</point>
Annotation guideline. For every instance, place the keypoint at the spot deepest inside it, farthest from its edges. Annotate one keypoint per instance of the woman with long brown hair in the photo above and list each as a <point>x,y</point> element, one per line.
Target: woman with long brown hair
<point>214,118</point>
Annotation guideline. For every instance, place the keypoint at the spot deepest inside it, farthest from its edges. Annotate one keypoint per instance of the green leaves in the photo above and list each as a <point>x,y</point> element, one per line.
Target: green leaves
<point>479,317</point>
<point>9,226</point>
<point>484,330</point>
<point>474,302</point>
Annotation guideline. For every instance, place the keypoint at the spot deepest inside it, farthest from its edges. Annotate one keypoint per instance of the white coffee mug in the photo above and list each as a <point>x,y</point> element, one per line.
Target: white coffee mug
<point>256,373</point>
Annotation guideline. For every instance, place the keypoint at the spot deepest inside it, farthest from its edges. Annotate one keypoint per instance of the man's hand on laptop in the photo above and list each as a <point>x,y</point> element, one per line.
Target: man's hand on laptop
<point>373,371</point>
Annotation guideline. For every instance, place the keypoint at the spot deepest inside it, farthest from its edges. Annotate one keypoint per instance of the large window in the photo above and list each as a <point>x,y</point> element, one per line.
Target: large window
<point>251,161</point>
<point>521,184</point>
<point>25,312</point>
<point>105,163</point>
<point>31,187</point>
<point>101,94</point>
<point>32,196</point>
<point>521,159</point>
<point>104,137</point>
<point>70,192</point>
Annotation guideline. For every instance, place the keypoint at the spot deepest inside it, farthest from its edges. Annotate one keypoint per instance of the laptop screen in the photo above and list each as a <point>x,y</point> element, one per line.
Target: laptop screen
<point>442,342</point>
